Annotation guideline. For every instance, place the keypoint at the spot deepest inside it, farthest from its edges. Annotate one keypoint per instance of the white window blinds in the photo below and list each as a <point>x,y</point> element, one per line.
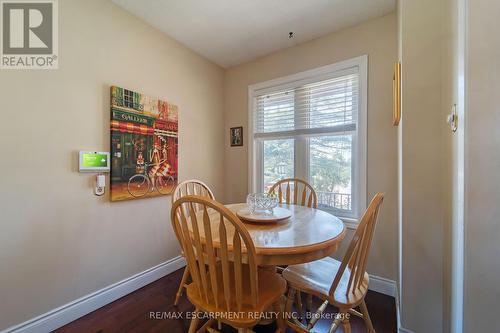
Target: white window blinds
<point>327,105</point>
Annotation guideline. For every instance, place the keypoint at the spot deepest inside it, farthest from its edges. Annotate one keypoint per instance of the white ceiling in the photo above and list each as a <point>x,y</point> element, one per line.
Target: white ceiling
<point>231,32</point>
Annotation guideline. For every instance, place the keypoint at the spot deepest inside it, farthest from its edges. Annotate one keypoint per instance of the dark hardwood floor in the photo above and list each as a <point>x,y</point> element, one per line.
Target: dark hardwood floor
<point>135,312</point>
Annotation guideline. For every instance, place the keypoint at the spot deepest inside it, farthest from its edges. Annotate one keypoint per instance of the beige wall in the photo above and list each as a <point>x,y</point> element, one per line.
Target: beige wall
<point>482,219</point>
<point>58,241</point>
<point>427,94</point>
<point>376,38</point>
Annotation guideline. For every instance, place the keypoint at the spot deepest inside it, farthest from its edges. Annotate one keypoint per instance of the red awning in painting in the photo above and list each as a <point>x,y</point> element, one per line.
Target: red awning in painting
<point>165,125</point>
<point>125,127</point>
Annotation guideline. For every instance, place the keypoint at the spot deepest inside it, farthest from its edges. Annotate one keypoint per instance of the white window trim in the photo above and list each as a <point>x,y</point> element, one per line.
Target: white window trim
<point>361,155</point>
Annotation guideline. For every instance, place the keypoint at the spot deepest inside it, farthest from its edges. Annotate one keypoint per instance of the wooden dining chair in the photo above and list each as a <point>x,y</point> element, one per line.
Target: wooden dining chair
<point>346,286</point>
<point>221,257</point>
<point>189,187</point>
<point>294,191</point>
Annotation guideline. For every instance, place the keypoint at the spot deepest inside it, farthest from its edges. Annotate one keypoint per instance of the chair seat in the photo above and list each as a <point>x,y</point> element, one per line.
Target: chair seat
<point>271,287</point>
<point>316,278</point>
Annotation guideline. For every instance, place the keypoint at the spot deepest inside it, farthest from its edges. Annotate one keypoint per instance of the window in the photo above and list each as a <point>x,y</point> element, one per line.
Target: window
<point>128,98</point>
<point>312,125</point>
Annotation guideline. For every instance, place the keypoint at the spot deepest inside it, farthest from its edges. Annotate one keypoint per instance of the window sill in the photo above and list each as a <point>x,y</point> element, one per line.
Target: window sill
<point>350,223</point>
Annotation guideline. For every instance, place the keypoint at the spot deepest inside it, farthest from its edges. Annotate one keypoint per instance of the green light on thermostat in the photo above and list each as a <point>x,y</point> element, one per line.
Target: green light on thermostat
<point>91,160</point>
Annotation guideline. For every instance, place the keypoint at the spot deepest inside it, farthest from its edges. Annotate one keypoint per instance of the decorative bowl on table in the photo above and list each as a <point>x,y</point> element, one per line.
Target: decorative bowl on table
<point>262,208</point>
<point>261,203</point>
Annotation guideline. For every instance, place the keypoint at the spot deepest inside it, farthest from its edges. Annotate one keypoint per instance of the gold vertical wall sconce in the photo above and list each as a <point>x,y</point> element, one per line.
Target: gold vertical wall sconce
<point>396,94</point>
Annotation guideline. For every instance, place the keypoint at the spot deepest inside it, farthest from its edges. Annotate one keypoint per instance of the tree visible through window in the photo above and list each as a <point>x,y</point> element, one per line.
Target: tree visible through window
<point>278,161</point>
<point>330,170</point>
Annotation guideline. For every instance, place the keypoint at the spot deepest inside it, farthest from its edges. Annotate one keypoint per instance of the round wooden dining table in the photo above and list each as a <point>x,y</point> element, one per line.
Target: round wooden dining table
<point>309,234</point>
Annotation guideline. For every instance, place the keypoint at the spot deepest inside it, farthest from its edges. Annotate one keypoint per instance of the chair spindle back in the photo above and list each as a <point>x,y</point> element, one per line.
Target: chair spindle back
<point>192,187</point>
<point>295,191</point>
<point>356,256</point>
<point>215,237</point>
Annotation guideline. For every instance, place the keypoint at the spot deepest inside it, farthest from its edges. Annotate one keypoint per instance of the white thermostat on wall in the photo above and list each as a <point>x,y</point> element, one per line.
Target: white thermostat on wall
<point>93,161</point>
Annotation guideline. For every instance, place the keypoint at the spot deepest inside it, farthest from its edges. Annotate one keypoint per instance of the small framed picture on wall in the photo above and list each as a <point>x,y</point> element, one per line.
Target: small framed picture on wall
<point>236,136</point>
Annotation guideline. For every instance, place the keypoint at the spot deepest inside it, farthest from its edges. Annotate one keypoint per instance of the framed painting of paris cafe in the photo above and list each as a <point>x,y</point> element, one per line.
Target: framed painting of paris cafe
<point>144,145</point>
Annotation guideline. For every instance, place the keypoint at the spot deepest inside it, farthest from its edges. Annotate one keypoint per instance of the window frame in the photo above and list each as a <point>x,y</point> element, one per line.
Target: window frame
<point>255,160</point>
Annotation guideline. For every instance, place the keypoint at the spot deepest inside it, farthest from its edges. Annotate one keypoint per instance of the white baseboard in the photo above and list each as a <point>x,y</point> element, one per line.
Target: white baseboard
<point>69,312</point>
<point>382,285</point>
<point>404,330</point>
